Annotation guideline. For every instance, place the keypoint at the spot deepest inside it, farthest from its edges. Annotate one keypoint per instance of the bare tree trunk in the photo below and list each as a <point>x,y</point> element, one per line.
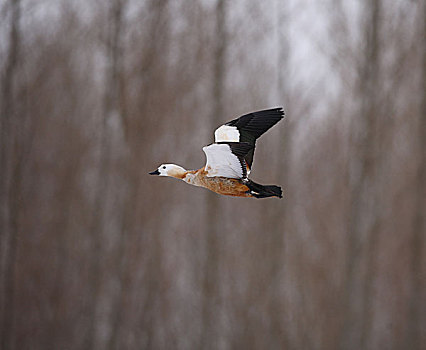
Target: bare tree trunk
<point>211,291</point>
<point>362,229</point>
<point>110,109</point>
<point>117,8</point>
<point>415,322</point>
<point>277,221</point>
<point>10,162</point>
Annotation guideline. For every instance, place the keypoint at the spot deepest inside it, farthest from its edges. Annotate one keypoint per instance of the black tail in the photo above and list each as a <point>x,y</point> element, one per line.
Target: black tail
<point>262,191</point>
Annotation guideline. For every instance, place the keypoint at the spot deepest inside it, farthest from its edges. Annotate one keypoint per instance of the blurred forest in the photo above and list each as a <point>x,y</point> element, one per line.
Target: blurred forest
<point>96,254</point>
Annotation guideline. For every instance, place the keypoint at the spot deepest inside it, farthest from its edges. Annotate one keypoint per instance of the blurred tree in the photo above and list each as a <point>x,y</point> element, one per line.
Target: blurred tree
<point>211,284</point>
<point>363,214</point>
<point>277,214</point>
<point>11,158</point>
<point>112,110</point>
<point>415,323</point>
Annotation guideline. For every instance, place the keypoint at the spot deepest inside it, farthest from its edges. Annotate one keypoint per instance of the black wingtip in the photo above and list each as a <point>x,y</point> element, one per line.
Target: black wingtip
<point>279,110</point>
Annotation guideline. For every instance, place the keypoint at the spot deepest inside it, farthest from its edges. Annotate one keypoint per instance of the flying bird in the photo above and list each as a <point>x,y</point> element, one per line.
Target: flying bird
<point>230,158</point>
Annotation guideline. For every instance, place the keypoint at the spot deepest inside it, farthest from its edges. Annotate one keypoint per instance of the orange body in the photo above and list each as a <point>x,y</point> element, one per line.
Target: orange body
<point>225,186</point>
<point>220,185</point>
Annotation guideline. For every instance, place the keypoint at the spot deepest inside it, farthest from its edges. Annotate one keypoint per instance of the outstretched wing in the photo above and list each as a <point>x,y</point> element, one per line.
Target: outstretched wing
<point>227,159</point>
<point>248,128</point>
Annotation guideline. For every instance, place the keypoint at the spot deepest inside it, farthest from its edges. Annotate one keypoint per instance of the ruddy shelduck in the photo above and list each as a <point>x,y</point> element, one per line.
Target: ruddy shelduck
<point>230,157</point>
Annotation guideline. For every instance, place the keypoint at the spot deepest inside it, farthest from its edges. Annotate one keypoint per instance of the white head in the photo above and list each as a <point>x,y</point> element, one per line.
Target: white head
<point>172,170</point>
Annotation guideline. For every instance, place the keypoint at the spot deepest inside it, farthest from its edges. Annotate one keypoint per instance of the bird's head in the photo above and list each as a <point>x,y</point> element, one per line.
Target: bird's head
<point>172,170</point>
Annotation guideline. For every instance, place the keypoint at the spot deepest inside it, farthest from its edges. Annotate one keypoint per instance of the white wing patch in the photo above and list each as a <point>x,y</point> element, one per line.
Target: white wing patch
<point>222,162</point>
<point>227,133</point>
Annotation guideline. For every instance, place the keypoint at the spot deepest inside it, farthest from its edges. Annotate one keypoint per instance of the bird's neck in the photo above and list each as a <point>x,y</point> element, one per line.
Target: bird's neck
<point>190,177</point>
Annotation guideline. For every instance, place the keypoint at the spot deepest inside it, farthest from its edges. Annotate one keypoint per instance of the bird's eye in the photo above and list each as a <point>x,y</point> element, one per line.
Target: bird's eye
<point>164,167</point>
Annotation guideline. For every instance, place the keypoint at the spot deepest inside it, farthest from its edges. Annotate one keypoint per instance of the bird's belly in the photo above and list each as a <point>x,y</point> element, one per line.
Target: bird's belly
<point>226,186</point>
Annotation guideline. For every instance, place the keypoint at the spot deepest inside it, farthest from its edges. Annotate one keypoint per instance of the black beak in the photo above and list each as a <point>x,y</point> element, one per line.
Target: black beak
<point>156,172</point>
